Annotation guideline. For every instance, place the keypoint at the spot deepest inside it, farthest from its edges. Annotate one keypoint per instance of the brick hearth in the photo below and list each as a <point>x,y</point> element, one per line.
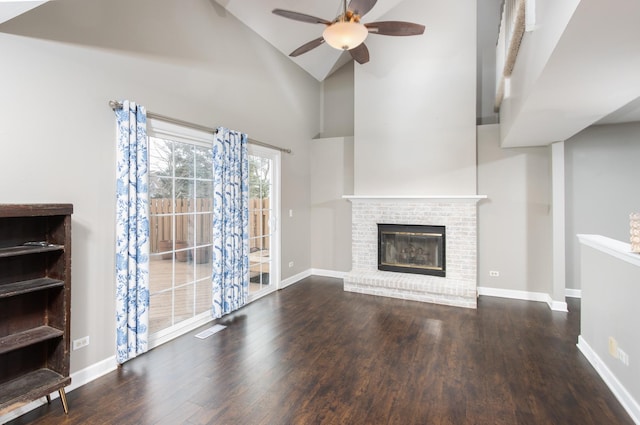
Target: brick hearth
<point>457,213</point>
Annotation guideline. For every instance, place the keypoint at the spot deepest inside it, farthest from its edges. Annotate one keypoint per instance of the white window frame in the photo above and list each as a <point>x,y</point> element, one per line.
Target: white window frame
<point>163,129</point>
<point>275,156</point>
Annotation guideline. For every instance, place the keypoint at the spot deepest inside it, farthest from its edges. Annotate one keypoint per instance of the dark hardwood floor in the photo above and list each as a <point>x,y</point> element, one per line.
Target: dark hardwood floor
<point>313,354</point>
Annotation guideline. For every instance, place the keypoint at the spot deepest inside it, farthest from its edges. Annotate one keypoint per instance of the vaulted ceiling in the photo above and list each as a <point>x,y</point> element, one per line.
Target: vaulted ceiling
<point>10,9</point>
<point>563,105</point>
<point>590,77</point>
<point>286,35</point>
<point>567,103</point>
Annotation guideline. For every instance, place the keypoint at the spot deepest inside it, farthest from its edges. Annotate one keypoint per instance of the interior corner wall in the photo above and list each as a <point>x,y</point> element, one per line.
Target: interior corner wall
<point>488,22</point>
<point>63,61</point>
<point>415,105</point>
<point>601,177</point>
<point>514,223</point>
<point>337,103</point>
<point>331,178</point>
<point>533,55</point>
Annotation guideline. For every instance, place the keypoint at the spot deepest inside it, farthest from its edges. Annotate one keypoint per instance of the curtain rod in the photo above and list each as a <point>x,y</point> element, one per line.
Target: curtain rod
<point>114,104</point>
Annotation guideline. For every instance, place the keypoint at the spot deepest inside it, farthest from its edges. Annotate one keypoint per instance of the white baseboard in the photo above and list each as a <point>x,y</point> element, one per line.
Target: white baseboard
<point>557,305</point>
<point>78,379</point>
<point>618,390</point>
<point>184,327</point>
<point>328,273</point>
<point>92,372</point>
<point>294,279</point>
<point>523,295</point>
<point>513,294</point>
<point>573,293</point>
<point>311,272</point>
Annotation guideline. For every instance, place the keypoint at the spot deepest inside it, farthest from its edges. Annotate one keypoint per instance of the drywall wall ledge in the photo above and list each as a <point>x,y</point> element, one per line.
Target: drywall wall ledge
<point>615,248</point>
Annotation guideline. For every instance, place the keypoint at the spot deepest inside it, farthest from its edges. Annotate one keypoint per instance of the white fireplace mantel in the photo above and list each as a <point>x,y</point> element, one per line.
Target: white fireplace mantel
<point>414,198</point>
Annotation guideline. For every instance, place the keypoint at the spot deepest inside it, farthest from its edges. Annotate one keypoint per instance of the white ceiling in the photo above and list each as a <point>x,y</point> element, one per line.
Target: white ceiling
<point>9,9</point>
<point>286,35</point>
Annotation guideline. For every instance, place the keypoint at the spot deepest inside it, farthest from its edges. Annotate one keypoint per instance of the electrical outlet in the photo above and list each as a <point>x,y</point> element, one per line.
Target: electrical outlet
<point>80,342</point>
<point>290,264</point>
<point>494,273</point>
<point>290,213</point>
<point>624,357</point>
<point>613,347</point>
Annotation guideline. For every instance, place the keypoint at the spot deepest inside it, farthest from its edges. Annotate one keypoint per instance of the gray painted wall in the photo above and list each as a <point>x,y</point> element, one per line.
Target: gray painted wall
<point>602,175</point>
<point>65,60</point>
<point>414,135</point>
<point>610,309</point>
<point>488,21</point>
<point>514,223</point>
<point>331,177</point>
<point>337,103</point>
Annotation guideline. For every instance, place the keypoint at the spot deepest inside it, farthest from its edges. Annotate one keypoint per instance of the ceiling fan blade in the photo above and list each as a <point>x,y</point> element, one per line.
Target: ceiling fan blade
<point>361,7</point>
<point>296,16</point>
<point>396,28</point>
<point>360,54</point>
<point>306,47</point>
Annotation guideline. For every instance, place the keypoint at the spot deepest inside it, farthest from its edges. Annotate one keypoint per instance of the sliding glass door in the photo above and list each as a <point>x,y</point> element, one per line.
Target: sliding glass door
<point>181,201</point>
<point>180,217</point>
<point>264,240</point>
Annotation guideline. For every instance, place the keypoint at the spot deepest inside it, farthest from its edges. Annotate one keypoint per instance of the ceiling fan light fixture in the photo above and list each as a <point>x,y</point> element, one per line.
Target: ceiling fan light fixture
<point>345,35</point>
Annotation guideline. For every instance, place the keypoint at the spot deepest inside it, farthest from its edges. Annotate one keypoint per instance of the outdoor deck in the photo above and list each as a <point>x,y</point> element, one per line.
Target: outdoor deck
<point>192,284</point>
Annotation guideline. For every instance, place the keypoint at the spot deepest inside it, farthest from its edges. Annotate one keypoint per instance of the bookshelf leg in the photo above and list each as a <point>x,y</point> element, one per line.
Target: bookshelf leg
<point>63,399</point>
<point>48,399</point>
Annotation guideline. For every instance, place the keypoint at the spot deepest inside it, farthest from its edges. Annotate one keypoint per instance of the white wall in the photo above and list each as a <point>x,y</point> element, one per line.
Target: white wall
<point>514,223</point>
<point>331,177</point>
<point>415,105</point>
<point>602,175</point>
<point>62,62</point>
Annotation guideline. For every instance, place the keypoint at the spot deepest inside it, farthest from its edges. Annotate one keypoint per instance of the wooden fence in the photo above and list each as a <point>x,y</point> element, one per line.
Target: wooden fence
<point>190,227</point>
<point>259,215</point>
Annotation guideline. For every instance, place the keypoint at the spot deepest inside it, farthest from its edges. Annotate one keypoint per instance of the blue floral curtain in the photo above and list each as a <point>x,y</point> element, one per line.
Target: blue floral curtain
<point>132,233</point>
<point>230,221</point>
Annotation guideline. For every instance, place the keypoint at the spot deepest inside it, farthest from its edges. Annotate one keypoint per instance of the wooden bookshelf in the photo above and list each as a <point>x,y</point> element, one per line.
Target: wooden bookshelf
<point>35,297</point>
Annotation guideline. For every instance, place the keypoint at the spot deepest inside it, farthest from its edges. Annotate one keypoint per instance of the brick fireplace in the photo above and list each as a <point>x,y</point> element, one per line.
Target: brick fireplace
<point>459,216</point>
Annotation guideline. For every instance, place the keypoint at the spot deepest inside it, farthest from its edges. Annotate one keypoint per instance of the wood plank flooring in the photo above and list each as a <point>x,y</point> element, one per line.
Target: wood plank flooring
<point>313,354</point>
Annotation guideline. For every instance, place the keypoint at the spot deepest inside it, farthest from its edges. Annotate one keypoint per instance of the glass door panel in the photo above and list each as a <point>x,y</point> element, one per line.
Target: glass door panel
<point>263,248</point>
<point>180,267</point>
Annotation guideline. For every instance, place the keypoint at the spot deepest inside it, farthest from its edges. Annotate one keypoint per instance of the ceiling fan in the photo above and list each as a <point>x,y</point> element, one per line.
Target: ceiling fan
<point>346,32</point>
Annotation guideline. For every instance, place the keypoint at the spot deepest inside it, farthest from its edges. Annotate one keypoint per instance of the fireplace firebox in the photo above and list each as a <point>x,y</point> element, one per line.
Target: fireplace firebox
<point>412,249</point>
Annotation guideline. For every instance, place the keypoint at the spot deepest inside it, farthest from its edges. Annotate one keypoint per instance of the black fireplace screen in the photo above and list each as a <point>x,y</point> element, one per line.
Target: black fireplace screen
<point>412,249</point>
